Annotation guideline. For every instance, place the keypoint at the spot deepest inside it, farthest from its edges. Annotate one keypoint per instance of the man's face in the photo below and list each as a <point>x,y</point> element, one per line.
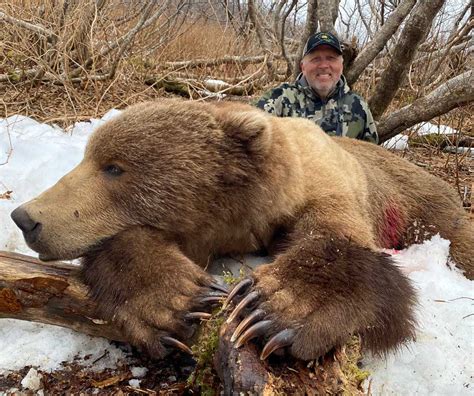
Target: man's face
<point>322,69</point>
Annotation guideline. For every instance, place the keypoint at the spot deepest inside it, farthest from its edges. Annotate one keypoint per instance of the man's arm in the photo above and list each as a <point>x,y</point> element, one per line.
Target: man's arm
<point>272,102</point>
<point>370,130</point>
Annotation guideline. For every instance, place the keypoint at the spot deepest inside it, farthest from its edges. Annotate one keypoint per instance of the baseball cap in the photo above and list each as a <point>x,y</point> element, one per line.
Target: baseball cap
<point>322,38</point>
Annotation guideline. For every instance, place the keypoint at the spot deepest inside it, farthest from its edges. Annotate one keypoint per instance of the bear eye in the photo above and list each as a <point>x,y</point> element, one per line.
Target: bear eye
<point>113,170</point>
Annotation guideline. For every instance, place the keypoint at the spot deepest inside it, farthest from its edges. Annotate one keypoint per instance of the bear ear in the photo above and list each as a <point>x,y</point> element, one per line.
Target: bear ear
<point>247,126</point>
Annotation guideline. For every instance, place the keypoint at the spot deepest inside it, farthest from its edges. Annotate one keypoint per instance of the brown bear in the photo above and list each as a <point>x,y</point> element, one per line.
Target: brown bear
<point>166,186</point>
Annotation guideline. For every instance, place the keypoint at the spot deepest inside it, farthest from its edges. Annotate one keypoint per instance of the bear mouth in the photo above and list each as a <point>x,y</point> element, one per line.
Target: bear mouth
<point>47,255</point>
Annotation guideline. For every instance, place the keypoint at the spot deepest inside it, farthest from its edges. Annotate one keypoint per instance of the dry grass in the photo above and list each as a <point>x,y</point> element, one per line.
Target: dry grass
<point>168,39</point>
<point>61,100</point>
<point>204,40</point>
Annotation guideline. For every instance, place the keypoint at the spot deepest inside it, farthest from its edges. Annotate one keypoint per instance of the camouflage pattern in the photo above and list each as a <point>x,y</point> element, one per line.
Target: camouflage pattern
<point>343,113</point>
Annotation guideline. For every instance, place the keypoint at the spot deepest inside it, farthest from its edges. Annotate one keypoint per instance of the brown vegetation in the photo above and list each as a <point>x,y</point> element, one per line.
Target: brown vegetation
<point>49,63</point>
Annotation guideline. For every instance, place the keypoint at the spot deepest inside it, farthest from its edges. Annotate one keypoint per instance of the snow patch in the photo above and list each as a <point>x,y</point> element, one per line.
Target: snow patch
<point>32,380</point>
<point>398,142</point>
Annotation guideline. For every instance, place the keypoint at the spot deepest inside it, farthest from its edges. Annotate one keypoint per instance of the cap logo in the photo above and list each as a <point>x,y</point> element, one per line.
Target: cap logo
<point>321,38</point>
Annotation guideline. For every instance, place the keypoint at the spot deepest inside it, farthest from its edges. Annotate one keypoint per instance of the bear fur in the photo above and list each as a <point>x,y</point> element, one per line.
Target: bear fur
<point>167,186</point>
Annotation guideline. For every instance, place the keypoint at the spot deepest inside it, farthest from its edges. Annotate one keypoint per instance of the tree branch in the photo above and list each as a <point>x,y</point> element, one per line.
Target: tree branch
<point>440,61</point>
<point>379,41</point>
<point>261,39</point>
<point>415,30</point>
<point>34,28</point>
<point>464,47</point>
<point>242,60</point>
<point>453,93</point>
<point>142,24</point>
<point>280,31</point>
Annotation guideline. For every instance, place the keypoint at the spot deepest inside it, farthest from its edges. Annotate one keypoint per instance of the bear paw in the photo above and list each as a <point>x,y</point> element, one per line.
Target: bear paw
<point>157,327</point>
<point>148,288</point>
<point>259,321</point>
<point>312,303</point>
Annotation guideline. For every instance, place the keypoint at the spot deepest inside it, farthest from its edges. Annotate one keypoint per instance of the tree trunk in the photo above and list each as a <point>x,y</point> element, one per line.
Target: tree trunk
<point>327,15</point>
<point>310,28</point>
<point>414,32</point>
<point>261,37</point>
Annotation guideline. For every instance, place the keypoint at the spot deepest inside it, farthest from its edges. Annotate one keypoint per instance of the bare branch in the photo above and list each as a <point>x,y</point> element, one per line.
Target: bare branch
<point>380,39</point>
<point>415,30</point>
<point>281,36</point>
<point>260,35</point>
<point>143,23</point>
<point>362,18</point>
<point>34,28</point>
<point>29,74</point>
<point>461,17</point>
<point>126,43</point>
<point>455,39</point>
<point>453,93</point>
<point>468,49</point>
<point>48,293</point>
<point>242,60</point>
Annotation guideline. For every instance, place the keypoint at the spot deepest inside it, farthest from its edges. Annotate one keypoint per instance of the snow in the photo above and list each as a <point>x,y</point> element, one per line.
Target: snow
<point>32,380</point>
<point>134,383</point>
<point>398,142</point>
<point>34,156</point>
<point>427,128</point>
<point>440,361</point>
<point>139,372</point>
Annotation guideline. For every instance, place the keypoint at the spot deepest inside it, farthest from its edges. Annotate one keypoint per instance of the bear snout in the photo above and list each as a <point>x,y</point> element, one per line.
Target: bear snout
<point>31,229</point>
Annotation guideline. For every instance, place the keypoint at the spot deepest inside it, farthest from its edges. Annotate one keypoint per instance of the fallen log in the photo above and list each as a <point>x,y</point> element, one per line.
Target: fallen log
<point>187,87</point>
<point>240,60</point>
<point>242,372</point>
<point>49,293</point>
<point>52,293</point>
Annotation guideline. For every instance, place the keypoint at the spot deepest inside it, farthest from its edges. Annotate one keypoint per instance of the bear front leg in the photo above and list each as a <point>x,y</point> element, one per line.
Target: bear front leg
<point>322,290</point>
<point>148,288</point>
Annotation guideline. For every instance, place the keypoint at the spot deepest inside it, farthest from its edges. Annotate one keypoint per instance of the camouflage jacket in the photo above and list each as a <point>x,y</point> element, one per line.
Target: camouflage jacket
<point>343,113</point>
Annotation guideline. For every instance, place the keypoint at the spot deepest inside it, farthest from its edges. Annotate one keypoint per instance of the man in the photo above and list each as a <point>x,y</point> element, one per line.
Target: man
<point>321,93</point>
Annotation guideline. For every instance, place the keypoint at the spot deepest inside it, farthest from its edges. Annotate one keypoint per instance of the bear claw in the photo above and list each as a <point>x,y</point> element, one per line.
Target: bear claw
<point>198,315</point>
<point>173,342</point>
<point>279,340</point>
<point>219,287</point>
<point>209,299</point>
<point>249,320</point>
<point>249,298</point>
<point>255,325</point>
<point>256,330</point>
<point>239,287</point>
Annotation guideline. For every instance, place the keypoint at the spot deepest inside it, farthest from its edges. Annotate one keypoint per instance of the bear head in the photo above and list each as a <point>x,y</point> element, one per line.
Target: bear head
<point>166,164</point>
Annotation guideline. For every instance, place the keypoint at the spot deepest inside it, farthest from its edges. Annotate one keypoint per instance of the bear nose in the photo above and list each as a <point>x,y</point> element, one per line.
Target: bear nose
<point>30,228</point>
